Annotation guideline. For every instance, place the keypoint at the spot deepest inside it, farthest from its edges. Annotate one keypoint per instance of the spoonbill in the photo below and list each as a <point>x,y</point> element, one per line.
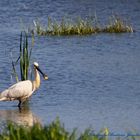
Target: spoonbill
<point>22,90</point>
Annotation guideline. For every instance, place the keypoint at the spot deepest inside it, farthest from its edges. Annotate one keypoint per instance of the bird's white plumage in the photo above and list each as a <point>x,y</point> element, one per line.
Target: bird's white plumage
<point>21,89</point>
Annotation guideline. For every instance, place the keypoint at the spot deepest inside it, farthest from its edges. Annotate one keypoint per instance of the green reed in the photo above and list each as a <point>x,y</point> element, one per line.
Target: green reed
<point>24,58</point>
<point>81,26</point>
<point>14,71</point>
<point>55,131</point>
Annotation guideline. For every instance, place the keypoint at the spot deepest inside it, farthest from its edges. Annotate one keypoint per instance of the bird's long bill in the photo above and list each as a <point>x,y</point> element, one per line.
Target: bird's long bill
<point>44,75</point>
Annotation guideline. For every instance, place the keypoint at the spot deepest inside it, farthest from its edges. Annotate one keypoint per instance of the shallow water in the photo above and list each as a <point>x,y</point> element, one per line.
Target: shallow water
<point>93,80</point>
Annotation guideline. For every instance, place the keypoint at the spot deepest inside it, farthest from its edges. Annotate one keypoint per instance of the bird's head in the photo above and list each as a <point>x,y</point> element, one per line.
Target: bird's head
<point>36,66</point>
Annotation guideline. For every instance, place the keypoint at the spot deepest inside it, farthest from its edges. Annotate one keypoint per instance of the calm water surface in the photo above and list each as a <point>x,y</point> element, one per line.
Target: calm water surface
<point>93,80</point>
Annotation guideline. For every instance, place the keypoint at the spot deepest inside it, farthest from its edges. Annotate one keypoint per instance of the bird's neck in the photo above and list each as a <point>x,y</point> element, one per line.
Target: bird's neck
<point>36,82</point>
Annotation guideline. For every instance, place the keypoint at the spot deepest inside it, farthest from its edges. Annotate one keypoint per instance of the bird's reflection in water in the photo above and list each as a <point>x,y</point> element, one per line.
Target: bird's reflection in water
<point>22,116</point>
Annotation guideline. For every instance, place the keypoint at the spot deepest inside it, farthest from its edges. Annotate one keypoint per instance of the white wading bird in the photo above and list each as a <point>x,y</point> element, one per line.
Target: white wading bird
<point>23,89</point>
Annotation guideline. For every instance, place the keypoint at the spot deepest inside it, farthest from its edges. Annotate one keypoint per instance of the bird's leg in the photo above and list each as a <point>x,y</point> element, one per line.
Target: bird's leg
<point>21,101</point>
<point>19,104</point>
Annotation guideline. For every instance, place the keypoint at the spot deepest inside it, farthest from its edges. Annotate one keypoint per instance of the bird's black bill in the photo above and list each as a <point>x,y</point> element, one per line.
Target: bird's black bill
<point>44,75</point>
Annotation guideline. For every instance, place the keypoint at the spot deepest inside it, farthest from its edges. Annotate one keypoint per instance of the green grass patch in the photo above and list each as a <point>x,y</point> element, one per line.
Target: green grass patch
<point>53,131</point>
<point>80,26</point>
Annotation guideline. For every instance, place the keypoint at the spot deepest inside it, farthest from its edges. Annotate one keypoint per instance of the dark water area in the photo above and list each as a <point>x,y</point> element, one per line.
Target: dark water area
<point>93,80</point>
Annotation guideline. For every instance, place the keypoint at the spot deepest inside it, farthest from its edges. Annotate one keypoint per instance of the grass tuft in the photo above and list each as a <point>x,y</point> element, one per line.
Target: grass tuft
<point>117,25</point>
<point>65,27</point>
<point>80,27</point>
